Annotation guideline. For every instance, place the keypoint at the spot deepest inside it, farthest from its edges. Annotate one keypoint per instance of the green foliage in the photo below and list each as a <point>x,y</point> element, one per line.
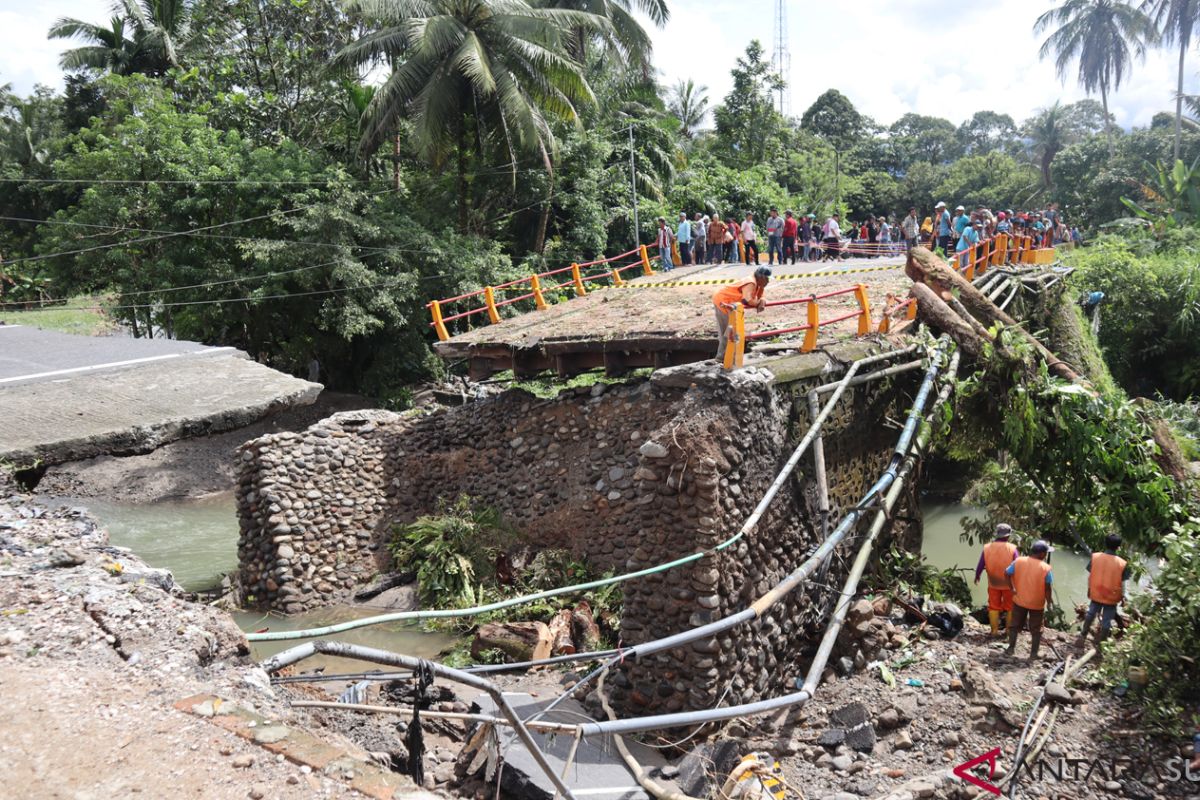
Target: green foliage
<point>748,126</point>
<point>1090,456</point>
<point>1165,637</point>
<point>453,552</point>
<point>907,575</point>
<point>1150,315</point>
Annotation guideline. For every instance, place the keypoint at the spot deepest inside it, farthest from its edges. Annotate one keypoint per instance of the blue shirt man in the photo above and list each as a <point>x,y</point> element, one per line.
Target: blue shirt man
<point>684,232</point>
<point>970,237</point>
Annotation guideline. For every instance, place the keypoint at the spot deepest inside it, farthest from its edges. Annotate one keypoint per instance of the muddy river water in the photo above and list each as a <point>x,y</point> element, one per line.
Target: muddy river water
<point>197,541</point>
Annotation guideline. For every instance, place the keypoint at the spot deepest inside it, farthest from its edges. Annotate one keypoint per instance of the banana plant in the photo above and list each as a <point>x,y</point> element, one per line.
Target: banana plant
<point>1170,197</point>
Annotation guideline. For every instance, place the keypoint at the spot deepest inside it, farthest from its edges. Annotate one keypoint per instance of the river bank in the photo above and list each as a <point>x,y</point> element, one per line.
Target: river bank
<point>188,469</point>
<point>96,650</point>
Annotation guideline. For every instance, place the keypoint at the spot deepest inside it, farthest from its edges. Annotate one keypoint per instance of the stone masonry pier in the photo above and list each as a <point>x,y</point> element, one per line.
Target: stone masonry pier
<point>626,476</point>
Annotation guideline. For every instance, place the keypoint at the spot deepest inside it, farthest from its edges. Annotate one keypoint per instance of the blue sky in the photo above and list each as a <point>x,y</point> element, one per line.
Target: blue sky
<point>888,56</point>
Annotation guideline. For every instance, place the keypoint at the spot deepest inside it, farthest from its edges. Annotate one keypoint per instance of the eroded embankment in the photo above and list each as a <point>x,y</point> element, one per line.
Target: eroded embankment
<point>96,648</point>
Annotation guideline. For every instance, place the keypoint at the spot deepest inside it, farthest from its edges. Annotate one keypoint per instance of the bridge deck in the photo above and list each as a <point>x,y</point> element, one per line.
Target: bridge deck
<point>664,319</point>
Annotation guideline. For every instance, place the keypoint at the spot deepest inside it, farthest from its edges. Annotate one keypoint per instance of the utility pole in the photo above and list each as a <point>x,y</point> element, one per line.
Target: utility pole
<point>633,188</point>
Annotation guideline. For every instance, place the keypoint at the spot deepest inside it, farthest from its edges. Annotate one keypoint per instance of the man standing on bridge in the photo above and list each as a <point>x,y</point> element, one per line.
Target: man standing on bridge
<point>942,229</point>
<point>995,559</point>
<point>683,237</point>
<point>1032,581</point>
<point>749,294</point>
<point>790,228</point>
<point>1107,573</point>
<point>774,236</point>
<point>910,229</point>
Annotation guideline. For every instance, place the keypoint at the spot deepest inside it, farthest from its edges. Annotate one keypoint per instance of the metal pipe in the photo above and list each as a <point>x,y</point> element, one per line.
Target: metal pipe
<point>819,467</point>
<point>557,727</point>
<point>1010,297</point>
<point>900,457</point>
<point>377,656</point>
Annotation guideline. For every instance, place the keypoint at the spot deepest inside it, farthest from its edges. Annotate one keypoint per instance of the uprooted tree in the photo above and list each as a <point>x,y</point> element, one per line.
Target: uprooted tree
<point>1091,460</point>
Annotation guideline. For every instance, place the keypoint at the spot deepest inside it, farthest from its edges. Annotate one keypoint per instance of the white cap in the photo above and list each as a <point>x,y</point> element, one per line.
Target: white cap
<point>941,204</point>
<point>960,208</point>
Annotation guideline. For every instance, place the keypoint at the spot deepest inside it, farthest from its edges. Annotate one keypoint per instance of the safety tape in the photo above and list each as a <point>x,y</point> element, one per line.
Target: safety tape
<point>792,277</point>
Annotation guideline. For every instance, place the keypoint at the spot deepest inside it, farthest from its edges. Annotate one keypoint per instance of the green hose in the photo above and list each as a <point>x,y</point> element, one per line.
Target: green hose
<point>439,613</point>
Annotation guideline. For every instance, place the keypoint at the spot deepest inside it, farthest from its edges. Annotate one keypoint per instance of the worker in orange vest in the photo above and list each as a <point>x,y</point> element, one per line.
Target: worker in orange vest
<point>995,558</point>
<point>1032,581</point>
<point>1107,573</point>
<point>726,299</point>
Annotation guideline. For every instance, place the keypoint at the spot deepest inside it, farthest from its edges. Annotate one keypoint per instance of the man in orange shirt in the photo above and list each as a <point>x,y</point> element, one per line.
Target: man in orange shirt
<point>1032,581</point>
<point>1107,573</point>
<point>749,294</point>
<point>995,558</point>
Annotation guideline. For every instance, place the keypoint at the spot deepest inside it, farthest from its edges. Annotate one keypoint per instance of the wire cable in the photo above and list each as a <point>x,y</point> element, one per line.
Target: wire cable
<point>193,231</point>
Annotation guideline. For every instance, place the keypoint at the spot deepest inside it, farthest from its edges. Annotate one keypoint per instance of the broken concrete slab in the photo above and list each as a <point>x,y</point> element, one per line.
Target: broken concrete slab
<point>597,769</point>
<point>141,408</point>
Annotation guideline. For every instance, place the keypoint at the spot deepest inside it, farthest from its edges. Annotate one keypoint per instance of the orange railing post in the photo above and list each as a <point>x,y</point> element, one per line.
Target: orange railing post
<point>536,283</point>
<point>646,268</point>
<point>435,308</point>
<point>912,310</point>
<point>985,256</point>
<point>814,322</point>
<point>489,296</point>
<point>864,319</point>
<point>616,276</point>
<point>675,259</point>
<point>578,278</point>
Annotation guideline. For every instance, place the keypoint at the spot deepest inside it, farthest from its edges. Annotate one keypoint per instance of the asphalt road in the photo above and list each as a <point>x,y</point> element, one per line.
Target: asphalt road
<point>30,355</point>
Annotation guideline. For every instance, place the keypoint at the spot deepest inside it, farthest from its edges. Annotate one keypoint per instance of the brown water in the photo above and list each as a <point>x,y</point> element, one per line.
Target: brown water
<point>943,548</point>
<point>197,541</point>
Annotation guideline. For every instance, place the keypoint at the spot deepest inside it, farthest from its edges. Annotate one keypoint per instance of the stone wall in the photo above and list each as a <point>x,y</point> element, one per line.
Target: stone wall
<point>316,508</point>
<point>722,451</point>
<point>628,477</point>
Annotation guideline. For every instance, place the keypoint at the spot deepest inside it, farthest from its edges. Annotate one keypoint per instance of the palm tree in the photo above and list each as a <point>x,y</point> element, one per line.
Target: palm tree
<point>143,36</point>
<point>1050,131</point>
<point>1177,20</point>
<point>471,73</point>
<point>1104,36</point>
<point>626,39</point>
<point>689,102</point>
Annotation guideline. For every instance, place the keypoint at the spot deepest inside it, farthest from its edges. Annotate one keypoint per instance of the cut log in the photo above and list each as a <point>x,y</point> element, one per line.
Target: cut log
<point>926,268</point>
<point>560,634</point>
<point>584,628</point>
<point>519,641</point>
<point>932,309</point>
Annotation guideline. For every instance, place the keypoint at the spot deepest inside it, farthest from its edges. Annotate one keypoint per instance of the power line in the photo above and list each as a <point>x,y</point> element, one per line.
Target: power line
<point>171,234</point>
<point>243,279</point>
<point>114,229</point>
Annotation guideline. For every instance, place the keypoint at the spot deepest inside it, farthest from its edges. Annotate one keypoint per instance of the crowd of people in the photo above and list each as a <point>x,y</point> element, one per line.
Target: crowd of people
<point>792,237</point>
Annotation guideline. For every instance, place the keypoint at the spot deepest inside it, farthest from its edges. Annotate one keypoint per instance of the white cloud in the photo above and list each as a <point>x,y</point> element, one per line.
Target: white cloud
<point>891,57</point>
<point>888,56</point>
<point>27,57</point>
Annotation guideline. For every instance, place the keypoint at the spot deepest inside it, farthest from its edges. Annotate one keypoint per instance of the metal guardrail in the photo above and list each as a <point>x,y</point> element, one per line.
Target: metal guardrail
<point>532,288</point>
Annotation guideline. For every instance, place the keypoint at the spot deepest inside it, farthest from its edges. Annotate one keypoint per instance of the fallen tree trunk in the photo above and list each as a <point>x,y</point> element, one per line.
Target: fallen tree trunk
<point>934,311</point>
<point>585,629</point>
<point>560,634</point>
<point>519,641</point>
<point>926,268</point>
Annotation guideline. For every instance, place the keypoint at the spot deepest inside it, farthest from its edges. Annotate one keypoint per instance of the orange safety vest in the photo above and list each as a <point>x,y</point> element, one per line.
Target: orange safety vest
<point>729,295</point>
<point>1029,582</point>
<point>996,558</point>
<point>1106,580</point>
